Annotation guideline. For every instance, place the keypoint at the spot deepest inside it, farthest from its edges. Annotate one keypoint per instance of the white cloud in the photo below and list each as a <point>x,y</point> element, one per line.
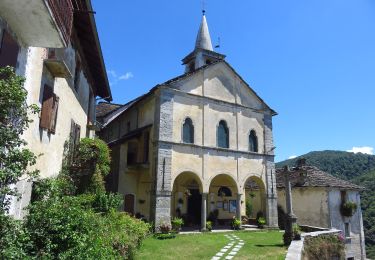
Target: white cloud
<point>363,149</point>
<point>114,78</point>
<point>126,76</point>
<point>292,156</point>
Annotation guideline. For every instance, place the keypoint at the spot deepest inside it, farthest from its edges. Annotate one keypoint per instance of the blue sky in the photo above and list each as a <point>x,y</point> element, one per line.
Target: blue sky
<point>311,61</point>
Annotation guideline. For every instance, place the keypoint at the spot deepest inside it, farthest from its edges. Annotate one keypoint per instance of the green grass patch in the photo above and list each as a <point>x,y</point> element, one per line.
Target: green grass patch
<point>258,245</point>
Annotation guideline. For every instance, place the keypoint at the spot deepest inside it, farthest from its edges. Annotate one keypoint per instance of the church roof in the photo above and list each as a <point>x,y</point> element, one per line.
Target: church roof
<point>203,40</point>
<point>314,177</point>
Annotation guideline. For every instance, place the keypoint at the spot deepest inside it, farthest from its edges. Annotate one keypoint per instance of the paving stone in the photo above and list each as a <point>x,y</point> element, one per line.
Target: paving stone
<point>229,257</point>
<point>215,258</point>
<point>232,253</point>
<point>223,250</point>
<point>219,254</point>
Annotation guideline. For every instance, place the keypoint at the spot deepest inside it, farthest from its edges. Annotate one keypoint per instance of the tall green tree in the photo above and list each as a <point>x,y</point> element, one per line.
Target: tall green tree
<point>15,158</point>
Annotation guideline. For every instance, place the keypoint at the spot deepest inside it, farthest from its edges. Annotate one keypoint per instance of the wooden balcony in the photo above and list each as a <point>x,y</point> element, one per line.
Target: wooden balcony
<point>56,63</point>
<point>39,23</point>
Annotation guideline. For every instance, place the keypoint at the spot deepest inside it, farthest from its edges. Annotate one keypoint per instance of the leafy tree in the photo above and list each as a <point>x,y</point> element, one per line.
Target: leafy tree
<point>15,159</point>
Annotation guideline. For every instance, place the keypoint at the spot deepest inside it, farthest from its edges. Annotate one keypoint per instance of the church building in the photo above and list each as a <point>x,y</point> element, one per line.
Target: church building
<point>197,146</point>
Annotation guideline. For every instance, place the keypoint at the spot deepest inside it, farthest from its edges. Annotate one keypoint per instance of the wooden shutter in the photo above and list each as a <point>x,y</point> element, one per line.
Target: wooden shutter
<point>8,50</point>
<point>54,113</point>
<point>47,108</point>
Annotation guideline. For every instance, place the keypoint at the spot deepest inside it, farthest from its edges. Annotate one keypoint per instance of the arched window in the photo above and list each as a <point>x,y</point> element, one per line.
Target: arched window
<point>188,131</point>
<point>222,135</point>
<point>224,192</point>
<point>253,142</point>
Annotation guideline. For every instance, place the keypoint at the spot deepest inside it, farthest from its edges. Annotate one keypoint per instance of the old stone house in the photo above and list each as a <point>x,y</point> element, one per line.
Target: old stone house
<point>193,145</point>
<point>55,46</point>
<point>317,198</point>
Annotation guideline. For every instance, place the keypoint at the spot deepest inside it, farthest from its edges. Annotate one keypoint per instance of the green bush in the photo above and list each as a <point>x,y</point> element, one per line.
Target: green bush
<point>13,238</point>
<point>91,163</point>
<point>236,223</point>
<point>177,223</point>
<point>261,221</point>
<point>324,247</point>
<point>209,225</point>
<point>68,228</point>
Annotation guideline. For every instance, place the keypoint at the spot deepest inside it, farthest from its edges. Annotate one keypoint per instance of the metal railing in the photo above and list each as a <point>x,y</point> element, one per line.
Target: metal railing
<point>62,11</point>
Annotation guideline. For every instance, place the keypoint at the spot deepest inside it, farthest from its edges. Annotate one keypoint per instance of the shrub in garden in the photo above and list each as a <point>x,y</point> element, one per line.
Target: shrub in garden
<point>261,221</point>
<point>296,232</point>
<point>177,223</point>
<point>324,247</point>
<point>165,228</point>
<point>236,223</point>
<point>15,159</point>
<point>209,225</point>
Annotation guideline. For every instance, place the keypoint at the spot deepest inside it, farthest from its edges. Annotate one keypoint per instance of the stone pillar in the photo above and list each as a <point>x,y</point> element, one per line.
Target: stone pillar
<point>163,133</point>
<point>290,218</point>
<point>271,194</point>
<point>238,209</point>
<point>204,212</point>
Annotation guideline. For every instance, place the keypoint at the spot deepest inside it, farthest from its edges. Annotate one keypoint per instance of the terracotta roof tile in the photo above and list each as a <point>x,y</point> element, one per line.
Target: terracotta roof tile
<point>104,108</point>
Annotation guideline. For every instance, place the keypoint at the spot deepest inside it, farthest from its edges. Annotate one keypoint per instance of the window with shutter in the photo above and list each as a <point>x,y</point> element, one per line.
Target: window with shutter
<point>47,107</point>
<point>222,135</point>
<point>50,106</point>
<point>8,50</point>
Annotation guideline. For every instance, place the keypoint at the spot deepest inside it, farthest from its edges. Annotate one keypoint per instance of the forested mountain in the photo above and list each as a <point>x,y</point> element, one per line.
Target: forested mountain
<point>357,168</point>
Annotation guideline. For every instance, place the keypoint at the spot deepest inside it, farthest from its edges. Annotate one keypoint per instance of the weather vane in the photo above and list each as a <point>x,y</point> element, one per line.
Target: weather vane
<point>203,7</point>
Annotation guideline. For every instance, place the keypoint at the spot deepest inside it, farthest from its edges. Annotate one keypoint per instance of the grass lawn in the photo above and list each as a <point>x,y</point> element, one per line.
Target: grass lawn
<point>258,245</point>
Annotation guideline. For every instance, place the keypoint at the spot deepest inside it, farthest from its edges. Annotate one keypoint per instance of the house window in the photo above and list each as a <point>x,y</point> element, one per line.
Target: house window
<point>77,72</point>
<point>50,104</point>
<point>188,131</point>
<point>146,144</point>
<point>222,135</point>
<point>347,230</point>
<point>8,50</point>
<point>132,153</point>
<point>224,192</point>
<point>253,142</point>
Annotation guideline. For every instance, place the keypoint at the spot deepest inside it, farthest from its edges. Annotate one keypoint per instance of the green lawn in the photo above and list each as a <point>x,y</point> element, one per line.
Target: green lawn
<point>258,245</point>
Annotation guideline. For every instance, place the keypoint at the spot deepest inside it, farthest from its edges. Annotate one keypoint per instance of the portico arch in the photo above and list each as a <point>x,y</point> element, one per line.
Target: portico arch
<point>255,196</point>
<point>224,199</point>
<point>187,198</point>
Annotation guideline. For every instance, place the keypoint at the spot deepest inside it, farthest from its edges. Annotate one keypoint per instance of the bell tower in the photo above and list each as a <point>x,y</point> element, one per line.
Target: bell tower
<point>203,53</point>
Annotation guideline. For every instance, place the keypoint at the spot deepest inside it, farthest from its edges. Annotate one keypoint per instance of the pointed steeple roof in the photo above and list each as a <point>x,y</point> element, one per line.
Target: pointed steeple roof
<point>203,38</point>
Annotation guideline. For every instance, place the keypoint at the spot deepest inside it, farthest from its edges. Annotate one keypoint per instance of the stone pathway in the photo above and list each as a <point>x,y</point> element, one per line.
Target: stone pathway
<point>231,249</point>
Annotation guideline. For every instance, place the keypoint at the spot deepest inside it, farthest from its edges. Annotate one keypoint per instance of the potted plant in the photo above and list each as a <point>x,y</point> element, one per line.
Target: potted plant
<point>165,228</point>
<point>261,221</point>
<point>177,224</point>
<point>236,223</point>
<point>348,208</point>
<point>209,225</point>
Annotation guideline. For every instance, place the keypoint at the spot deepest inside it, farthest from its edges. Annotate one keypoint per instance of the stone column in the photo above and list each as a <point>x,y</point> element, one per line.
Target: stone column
<point>290,218</point>
<point>238,209</point>
<point>204,212</point>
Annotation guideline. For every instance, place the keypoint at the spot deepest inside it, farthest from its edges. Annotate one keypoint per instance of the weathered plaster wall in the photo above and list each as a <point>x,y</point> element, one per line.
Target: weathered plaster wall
<point>310,205</point>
